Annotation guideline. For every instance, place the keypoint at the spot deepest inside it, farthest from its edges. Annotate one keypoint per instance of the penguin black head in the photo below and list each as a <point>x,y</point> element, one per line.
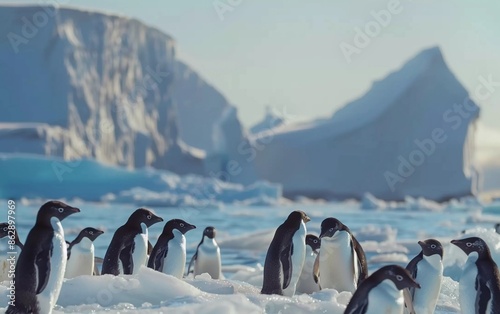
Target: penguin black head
<point>431,247</point>
<point>330,226</point>
<point>90,233</point>
<point>314,242</point>
<point>143,215</point>
<point>209,232</point>
<point>473,244</point>
<point>178,224</point>
<point>398,275</point>
<point>54,209</point>
<point>4,230</point>
<point>298,215</point>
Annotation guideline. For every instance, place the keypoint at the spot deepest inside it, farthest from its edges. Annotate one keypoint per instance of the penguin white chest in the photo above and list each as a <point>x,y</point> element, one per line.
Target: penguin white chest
<point>140,253</point>
<point>298,258</point>
<point>385,298</point>
<point>467,290</point>
<point>429,276</point>
<point>208,260</point>
<point>175,261</point>
<point>81,259</point>
<point>306,282</point>
<point>48,297</point>
<point>338,263</point>
<point>4,258</point>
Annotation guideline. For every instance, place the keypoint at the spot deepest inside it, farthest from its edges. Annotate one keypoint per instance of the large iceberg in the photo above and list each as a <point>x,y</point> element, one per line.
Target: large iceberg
<point>80,84</point>
<point>410,134</point>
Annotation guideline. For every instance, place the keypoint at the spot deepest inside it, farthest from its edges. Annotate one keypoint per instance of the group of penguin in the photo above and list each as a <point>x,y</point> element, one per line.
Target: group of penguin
<point>295,262</point>
<point>341,264</point>
<point>46,258</point>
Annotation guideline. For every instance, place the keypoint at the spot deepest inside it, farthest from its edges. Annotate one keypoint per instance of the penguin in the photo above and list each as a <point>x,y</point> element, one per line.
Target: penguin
<point>7,232</point>
<point>427,269</point>
<point>306,283</point>
<point>81,253</point>
<point>479,287</point>
<point>497,228</point>
<point>207,259</point>
<point>285,256</point>
<point>127,251</point>
<point>169,253</point>
<point>382,292</point>
<point>341,264</point>
<point>42,262</point>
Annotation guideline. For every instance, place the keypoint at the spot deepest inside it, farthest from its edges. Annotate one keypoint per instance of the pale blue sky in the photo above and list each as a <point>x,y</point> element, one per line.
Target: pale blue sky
<point>286,53</point>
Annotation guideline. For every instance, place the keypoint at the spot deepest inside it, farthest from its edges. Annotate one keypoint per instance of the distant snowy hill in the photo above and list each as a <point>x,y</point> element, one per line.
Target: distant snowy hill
<point>403,137</point>
<point>85,84</point>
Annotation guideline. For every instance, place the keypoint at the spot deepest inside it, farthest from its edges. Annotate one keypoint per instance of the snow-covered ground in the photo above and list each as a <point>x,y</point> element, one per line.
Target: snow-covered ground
<point>387,235</point>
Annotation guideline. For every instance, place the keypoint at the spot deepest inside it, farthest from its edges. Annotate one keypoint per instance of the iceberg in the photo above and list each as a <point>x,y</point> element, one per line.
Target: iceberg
<point>115,92</point>
<point>404,137</point>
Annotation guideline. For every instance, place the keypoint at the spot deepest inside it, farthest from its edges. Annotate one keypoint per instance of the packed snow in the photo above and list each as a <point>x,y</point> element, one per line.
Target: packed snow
<point>244,235</point>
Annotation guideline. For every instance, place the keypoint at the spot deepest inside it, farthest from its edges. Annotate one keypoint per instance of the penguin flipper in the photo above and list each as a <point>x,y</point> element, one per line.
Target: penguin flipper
<point>362,264</point>
<point>316,269</point>
<point>483,295</point>
<point>157,257</point>
<point>408,298</point>
<point>126,259</point>
<point>413,270</point>
<point>356,306</point>
<point>191,263</point>
<point>286,265</point>
<point>43,268</point>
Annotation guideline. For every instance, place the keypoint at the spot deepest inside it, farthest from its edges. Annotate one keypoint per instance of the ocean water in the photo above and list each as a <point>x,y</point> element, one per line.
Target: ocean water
<point>244,234</point>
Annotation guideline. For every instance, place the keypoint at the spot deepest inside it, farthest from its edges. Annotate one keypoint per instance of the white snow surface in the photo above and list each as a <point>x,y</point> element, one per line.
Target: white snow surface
<point>151,292</point>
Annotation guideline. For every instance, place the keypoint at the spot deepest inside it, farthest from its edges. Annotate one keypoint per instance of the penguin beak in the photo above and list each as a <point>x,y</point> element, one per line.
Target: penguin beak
<point>459,244</point>
<point>191,227</point>
<point>99,232</point>
<point>421,243</point>
<point>306,219</point>
<point>73,210</point>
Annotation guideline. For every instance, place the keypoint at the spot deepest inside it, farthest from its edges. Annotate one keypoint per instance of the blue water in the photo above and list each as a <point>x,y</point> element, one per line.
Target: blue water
<point>233,221</point>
